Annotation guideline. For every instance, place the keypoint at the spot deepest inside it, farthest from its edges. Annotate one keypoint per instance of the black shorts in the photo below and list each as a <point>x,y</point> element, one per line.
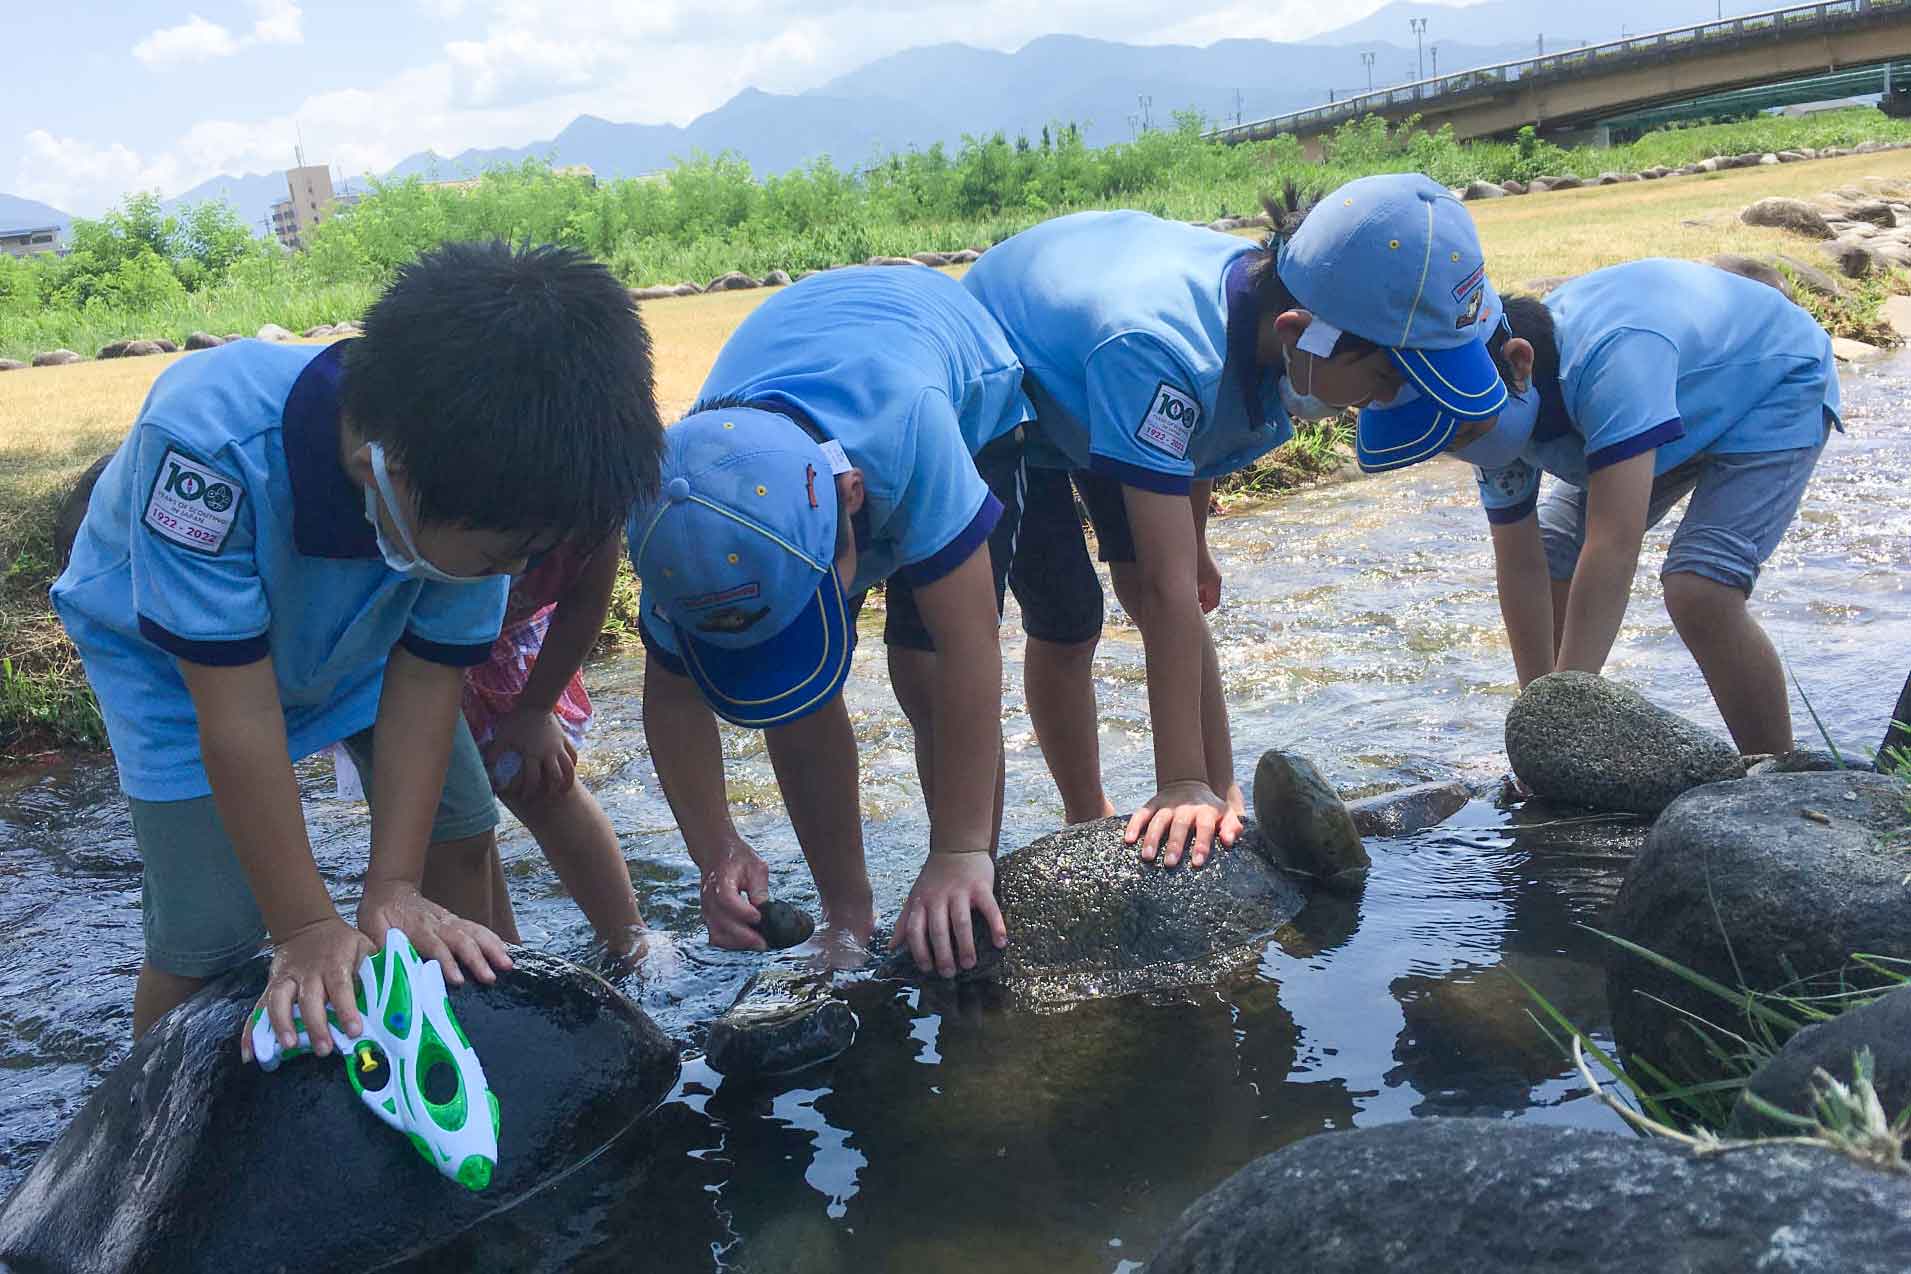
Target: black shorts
<point>1000,464</point>
<point>1054,581</point>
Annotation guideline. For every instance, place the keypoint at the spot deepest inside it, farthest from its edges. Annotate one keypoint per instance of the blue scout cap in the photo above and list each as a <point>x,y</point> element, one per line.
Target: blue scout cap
<point>738,555</point>
<point>1395,259</point>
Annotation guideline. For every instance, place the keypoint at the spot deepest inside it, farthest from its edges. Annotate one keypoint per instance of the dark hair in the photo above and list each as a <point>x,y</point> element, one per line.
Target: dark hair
<point>515,387</point>
<point>1528,317</point>
<point>1285,213</point>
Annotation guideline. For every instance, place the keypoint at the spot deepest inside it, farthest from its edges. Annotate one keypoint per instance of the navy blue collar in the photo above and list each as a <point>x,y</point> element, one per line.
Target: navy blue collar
<point>1244,336</point>
<point>328,508</point>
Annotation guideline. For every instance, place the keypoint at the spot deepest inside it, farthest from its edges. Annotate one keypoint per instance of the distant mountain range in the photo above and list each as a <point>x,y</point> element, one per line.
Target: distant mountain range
<point>30,214</point>
<point>938,93</point>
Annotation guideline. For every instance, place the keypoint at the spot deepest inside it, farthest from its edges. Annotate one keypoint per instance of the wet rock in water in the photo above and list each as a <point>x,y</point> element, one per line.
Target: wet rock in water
<point>1483,1196</point>
<point>1846,350</point>
<point>1411,809</point>
<point>1883,1026</point>
<point>1807,761</point>
<point>1088,918</point>
<point>55,358</point>
<point>1579,738</point>
<point>1304,820</point>
<point>203,340</point>
<point>784,924</point>
<point>1757,884</point>
<point>185,1157</point>
<point>273,332</point>
<point>783,1020</point>
<point>1794,215</point>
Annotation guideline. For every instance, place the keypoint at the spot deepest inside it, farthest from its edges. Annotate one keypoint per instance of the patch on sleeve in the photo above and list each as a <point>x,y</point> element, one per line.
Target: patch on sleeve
<point>1170,422</point>
<point>1509,483</point>
<point>192,505</point>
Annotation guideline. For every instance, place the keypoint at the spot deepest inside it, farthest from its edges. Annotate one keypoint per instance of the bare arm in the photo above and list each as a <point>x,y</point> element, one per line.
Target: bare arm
<point>411,745</point>
<point>959,612</point>
<point>1526,596</point>
<point>684,747</point>
<point>1617,498</point>
<point>575,625</point>
<point>242,743</point>
<point>1175,637</point>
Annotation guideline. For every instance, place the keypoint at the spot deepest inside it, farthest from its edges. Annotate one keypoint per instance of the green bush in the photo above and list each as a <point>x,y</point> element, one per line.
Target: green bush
<point>140,272</point>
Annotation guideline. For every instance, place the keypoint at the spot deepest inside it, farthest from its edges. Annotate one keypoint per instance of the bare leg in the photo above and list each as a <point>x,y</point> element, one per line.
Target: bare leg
<point>581,846</point>
<point>1738,660</point>
<point>1061,702</point>
<point>158,993</point>
<point>463,875</point>
<point>913,674</point>
<point>503,920</point>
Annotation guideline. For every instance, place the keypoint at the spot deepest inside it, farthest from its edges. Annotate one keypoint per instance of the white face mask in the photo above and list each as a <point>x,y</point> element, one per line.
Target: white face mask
<point>403,558</point>
<point>1305,406</point>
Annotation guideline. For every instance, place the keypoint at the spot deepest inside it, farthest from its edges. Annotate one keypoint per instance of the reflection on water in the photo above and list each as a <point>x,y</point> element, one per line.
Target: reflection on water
<point>1360,628</point>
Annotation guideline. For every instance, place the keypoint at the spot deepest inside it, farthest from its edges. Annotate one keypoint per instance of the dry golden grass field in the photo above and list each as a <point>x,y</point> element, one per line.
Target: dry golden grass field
<point>55,421</point>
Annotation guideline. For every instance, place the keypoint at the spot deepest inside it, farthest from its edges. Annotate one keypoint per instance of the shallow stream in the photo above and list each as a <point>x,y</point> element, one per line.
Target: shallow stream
<point>1359,627</point>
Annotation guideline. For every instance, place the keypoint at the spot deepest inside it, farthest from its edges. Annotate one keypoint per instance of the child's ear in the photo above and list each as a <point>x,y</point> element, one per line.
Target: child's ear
<point>1517,353</point>
<point>1290,325</point>
<point>358,465</point>
<point>849,490</point>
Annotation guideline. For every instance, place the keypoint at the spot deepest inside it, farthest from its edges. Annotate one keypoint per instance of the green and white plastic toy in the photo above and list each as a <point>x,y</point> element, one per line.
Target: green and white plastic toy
<point>412,1066</point>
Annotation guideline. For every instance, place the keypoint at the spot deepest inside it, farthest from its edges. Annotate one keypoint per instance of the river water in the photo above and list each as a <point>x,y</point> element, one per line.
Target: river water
<point>1359,627</point>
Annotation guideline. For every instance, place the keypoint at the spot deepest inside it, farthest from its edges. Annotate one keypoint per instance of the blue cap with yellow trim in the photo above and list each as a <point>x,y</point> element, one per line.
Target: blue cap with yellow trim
<point>1395,259</point>
<point>737,553</point>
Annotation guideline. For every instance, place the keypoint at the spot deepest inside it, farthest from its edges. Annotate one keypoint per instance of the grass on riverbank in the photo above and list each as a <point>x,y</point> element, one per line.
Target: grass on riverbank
<point>55,421</point>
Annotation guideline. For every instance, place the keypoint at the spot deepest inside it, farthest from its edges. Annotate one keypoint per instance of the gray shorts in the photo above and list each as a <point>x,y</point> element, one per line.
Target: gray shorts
<point>1741,505</point>
<point>199,913</point>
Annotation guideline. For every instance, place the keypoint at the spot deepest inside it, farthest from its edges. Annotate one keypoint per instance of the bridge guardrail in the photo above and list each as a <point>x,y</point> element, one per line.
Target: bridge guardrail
<point>1796,19</point>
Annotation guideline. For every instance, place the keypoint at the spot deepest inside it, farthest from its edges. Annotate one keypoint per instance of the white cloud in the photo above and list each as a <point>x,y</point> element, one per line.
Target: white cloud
<point>193,40</point>
<point>77,175</point>
<point>197,40</point>
<point>279,22</point>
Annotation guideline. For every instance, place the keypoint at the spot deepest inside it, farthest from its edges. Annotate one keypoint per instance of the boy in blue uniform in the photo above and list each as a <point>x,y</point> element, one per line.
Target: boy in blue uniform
<point>831,450</point>
<point>1636,386</point>
<point>1159,357</point>
<point>299,545</point>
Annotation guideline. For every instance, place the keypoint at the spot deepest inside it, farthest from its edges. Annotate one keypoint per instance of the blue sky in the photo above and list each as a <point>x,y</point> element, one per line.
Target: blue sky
<point>106,99</point>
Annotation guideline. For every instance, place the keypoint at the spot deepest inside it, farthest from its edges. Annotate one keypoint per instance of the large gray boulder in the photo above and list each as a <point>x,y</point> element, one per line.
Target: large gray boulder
<point>1305,823</point>
<point>12,365</point>
<point>1855,260</point>
<point>185,1157</point>
<point>1883,1026</point>
<point>1770,884</point>
<point>204,340</point>
<point>1479,1196</point>
<point>1754,269</point>
<point>1579,738</point>
<point>1794,215</point>
<point>273,332</point>
<point>1482,190</point>
<point>55,358</point>
<point>734,281</point>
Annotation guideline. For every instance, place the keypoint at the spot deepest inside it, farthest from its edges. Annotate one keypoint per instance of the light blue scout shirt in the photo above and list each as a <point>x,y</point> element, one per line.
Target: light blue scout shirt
<point>1677,355</point>
<point>224,530</point>
<point>1138,336</point>
<point>912,377</point>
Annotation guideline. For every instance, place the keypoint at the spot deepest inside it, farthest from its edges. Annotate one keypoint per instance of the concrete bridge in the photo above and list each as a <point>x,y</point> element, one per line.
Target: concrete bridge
<point>1577,89</point>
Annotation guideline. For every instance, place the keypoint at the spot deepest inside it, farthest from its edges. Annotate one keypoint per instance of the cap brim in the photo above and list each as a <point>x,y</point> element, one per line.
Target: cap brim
<point>1395,437</point>
<point>1462,380</point>
<point>784,677</point>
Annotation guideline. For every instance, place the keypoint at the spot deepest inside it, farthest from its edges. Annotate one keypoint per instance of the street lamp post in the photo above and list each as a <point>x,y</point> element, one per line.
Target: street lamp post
<point>1435,51</point>
<point>1368,59</point>
<point>1419,26</point>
